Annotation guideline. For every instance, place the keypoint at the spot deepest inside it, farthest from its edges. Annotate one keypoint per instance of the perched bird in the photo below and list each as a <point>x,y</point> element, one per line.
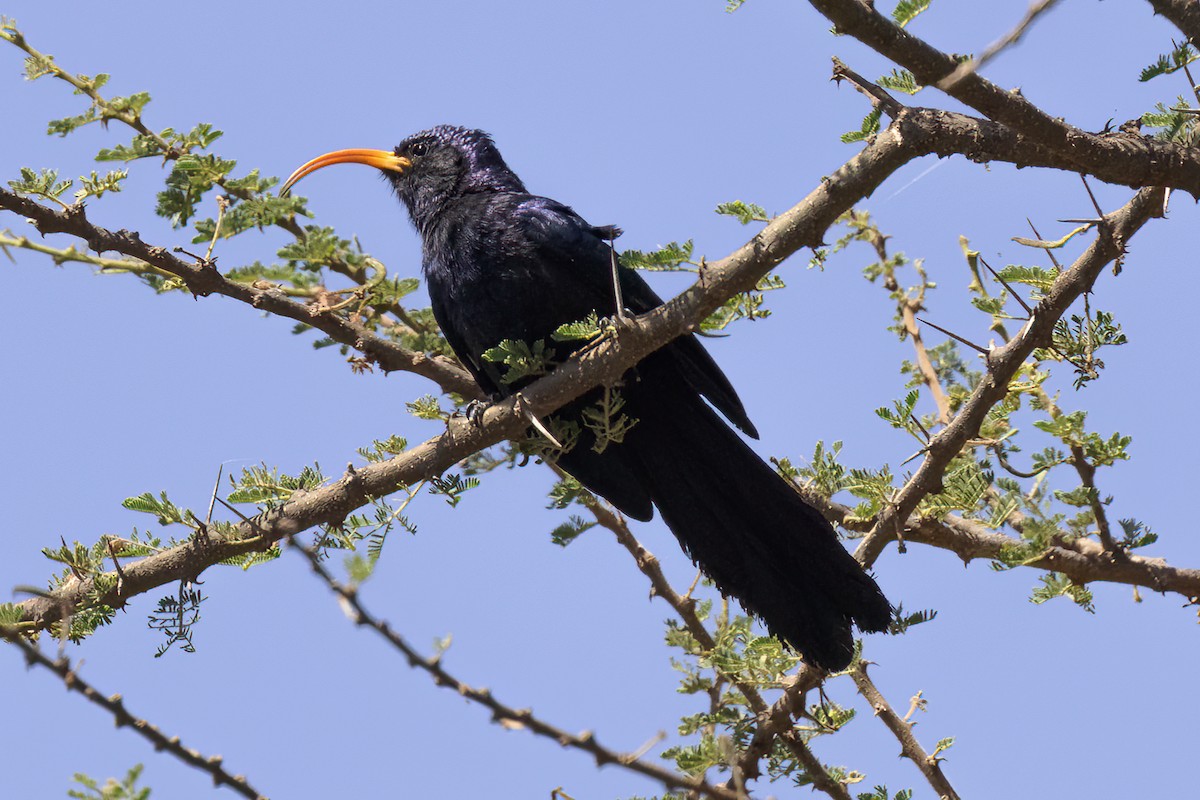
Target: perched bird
<point>501,263</point>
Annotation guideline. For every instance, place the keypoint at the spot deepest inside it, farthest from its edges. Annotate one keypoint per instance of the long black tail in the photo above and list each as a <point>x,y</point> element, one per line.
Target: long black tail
<point>746,527</point>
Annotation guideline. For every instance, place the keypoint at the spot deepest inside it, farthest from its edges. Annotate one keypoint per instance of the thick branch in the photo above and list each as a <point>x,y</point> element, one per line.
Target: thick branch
<point>1003,363</point>
<point>1185,14</point>
<point>1080,559</point>
<point>203,281</point>
<point>1128,159</point>
<point>802,226</point>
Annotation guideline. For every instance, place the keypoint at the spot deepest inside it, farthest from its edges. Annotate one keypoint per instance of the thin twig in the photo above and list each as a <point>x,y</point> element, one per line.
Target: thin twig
<point>902,729</point>
<point>115,705</point>
<point>879,97</point>
<point>1004,362</point>
<point>505,715</point>
<point>775,721</point>
<point>908,307</point>
<point>952,80</point>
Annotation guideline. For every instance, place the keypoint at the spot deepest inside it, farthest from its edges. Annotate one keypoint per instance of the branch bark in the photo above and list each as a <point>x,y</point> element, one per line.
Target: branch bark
<point>1081,560</point>
<point>804,225</point>
<point>502,713</point>
<point>203,281</point>
<point>1127,159</point>
<point>1003,363</point>
<point>910,748</point>
<point>1184,14</point>
<point>115,705</point>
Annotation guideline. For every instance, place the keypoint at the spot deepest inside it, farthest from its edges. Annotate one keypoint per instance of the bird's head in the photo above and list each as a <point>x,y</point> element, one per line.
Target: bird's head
<point>430,169</point>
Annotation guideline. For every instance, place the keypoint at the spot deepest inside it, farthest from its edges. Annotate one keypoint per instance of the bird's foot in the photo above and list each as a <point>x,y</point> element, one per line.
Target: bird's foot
<point>473,412</point>
<point>617,322</point>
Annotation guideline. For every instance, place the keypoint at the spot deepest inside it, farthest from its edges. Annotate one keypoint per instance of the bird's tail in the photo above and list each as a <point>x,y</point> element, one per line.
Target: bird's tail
<point>748,529</point>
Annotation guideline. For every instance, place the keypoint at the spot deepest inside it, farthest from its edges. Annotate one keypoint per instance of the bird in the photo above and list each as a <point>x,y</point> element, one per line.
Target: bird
<point>502,264</point>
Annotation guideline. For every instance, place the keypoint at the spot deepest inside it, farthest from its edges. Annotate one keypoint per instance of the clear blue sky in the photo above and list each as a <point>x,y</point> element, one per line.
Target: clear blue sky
<point>645,115</point>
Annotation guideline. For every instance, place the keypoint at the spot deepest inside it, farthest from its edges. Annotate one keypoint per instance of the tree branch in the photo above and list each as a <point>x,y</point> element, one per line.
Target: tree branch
<point>1127,159</point>
<point>1184,14</point>
<point>802,226</point>
<point>203,281</point>
<point>502,714</point>
<point>774,721</point>
<point>994,49</point>
<point>1004,361</point>
<point>910,748</point>
<point>1080,559</point>
<point>115,705</point>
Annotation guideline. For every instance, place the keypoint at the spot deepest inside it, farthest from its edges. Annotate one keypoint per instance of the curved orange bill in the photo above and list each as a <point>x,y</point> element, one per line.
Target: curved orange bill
<point>380,159</point>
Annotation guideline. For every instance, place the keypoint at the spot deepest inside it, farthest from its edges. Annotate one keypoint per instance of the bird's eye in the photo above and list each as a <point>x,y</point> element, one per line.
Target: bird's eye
<point>419,148</point>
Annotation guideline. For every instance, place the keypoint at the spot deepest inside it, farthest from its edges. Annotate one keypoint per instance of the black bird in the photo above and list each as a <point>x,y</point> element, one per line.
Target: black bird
<point>501,263</point>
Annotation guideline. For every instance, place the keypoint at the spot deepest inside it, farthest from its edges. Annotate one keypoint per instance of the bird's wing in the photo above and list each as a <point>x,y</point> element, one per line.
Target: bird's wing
<point>484,372</point>
<point>563,237</point>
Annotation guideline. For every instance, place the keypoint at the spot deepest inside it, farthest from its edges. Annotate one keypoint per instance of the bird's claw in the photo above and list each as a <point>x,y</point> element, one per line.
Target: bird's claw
<point>473,412</point>
<point>612,324</point>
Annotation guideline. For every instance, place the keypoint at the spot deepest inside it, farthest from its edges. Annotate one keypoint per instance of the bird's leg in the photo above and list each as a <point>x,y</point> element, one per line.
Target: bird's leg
<point>616,281</point>
<point>610,233</point>
<point>473,411</point>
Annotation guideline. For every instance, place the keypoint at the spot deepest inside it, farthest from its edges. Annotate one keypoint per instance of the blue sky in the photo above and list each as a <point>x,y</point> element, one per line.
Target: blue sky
<point>643,115</point>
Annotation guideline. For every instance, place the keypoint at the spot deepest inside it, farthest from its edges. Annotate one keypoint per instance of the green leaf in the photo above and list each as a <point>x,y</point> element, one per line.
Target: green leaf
<point>605,420</point>
<point>870,127</point>
<point>667,258</point>
<point>1137,534</point>
<point>43,183</point>
<point>585,329</point>
<point>10,614</point>
<point>426,407</point>
<point>745,213</point>
<point>901,621</point>
<point>1038,277</point>
<point>142,146</point>
<point>96,186</point>
<point>900,80</point>
<point>125,789</point>
<point>824,473</point>
<point>568,491</point>
<point>190,178</point>
<point>382,450</point>
<point>743,305</point>
<point>1056,585</point>
<point>161,507</point>
<point>570,530</point>
<point>1175,124</point>
<point>908,10</point>
<point>520,360</point>
<point>1171,62</point>
<point>452,487</point>
<point>267,485</point>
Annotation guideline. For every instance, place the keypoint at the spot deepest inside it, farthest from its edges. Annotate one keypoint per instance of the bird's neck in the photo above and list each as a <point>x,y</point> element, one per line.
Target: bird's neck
<point>432,203</point>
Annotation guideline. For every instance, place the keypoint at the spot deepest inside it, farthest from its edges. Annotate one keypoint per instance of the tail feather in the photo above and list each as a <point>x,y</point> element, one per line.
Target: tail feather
<point>746,527</point>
